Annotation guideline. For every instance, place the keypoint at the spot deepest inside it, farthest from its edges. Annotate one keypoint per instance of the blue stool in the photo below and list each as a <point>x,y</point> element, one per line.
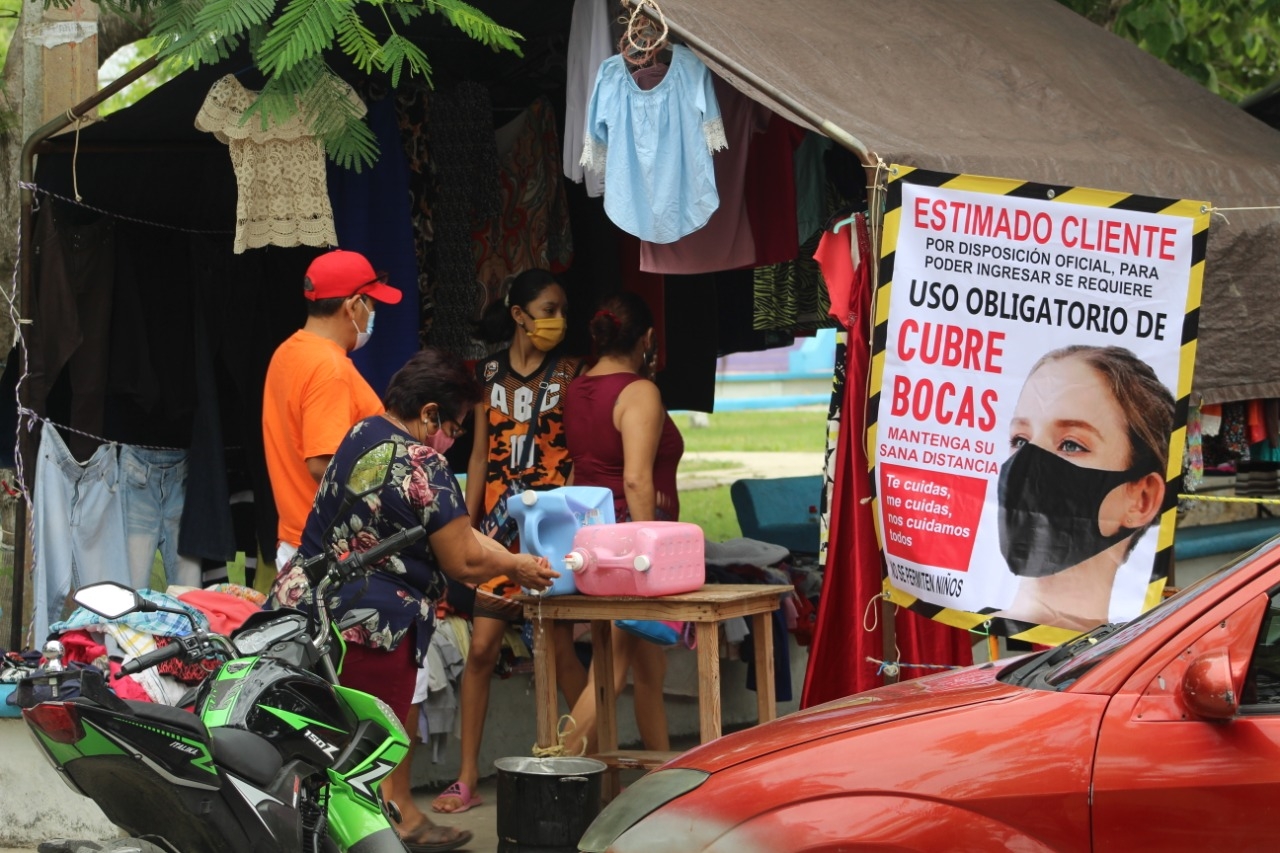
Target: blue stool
<point>782,511</point>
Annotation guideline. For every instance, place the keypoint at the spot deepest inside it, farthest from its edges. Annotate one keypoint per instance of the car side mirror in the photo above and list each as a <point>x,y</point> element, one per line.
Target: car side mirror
<point>1207,689</point>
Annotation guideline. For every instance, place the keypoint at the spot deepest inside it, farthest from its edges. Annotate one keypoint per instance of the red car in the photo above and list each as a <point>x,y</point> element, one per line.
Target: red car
<point>1161,734</point>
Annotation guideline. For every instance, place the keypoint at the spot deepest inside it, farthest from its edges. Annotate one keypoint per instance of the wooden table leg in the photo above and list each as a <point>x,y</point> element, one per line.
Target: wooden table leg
<point>544,681</point>
<point>606,700</point>
<point>708,637</point>
<point>766,698</point>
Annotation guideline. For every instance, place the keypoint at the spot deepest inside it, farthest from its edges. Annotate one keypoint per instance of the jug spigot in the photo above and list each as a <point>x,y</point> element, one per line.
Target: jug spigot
<point>575,561</point>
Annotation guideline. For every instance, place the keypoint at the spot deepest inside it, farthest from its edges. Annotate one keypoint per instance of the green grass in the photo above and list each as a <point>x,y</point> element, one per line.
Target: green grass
<point>782,430</point>
<point>712,510</point>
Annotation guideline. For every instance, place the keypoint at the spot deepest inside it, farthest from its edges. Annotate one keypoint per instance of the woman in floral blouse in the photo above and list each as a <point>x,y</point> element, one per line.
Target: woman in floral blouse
<point>427,401</point>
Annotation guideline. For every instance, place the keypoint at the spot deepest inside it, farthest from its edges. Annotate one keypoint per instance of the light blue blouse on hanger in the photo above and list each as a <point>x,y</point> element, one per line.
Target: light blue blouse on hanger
<point>654,147</point>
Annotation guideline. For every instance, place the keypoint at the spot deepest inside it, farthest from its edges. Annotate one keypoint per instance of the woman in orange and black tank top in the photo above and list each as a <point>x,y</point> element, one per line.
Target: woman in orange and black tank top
<point>519,445</point>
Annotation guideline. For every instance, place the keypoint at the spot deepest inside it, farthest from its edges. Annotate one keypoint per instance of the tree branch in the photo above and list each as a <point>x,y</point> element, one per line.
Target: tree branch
<point>115,31</point>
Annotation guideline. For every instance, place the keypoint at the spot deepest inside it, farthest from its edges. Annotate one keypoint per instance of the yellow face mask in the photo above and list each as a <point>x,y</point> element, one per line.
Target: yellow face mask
<point>546,333</point>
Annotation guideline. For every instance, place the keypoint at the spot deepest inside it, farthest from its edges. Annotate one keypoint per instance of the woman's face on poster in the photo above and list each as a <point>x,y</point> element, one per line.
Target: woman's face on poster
<point>1067,408</point>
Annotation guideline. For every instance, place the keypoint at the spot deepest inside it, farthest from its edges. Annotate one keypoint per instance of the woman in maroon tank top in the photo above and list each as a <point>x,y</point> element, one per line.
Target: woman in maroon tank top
<point>621,437</point>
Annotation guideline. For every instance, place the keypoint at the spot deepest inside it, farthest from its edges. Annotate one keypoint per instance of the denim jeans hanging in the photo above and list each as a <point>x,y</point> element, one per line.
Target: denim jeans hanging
<point>154,486</point>
<point>78,526</point>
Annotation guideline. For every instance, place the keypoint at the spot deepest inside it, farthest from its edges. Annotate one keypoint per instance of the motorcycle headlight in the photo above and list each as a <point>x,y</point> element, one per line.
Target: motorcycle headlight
<point>646,796</point>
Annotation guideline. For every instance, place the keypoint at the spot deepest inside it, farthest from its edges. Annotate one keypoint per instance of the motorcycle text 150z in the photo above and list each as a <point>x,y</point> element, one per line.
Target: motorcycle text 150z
<point>277,755</point>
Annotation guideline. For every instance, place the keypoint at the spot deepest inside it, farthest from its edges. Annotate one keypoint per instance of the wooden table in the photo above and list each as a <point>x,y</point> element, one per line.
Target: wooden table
<point>706,608</point>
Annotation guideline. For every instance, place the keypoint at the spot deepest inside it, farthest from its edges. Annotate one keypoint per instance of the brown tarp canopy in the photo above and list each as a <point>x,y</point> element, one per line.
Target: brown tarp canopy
<point>1027,89</point>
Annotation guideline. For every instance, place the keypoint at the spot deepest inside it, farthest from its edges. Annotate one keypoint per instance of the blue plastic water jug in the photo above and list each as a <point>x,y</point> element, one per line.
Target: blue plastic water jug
<point>547,521</point>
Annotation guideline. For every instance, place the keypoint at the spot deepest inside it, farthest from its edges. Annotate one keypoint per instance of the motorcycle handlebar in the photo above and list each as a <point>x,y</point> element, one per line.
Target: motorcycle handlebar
<point>150,659</point>
<point>354,563</point>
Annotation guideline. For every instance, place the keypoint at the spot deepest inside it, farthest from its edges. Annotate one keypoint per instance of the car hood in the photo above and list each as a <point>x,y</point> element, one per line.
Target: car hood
<point>931,694</point>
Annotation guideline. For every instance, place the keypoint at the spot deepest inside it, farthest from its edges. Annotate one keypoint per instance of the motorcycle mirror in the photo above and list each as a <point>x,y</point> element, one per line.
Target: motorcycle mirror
<point>108,599</point>
<point>371,470</point>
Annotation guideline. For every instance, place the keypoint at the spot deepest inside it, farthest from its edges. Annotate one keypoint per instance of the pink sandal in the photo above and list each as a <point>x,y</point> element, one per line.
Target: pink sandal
<point>460,791</point>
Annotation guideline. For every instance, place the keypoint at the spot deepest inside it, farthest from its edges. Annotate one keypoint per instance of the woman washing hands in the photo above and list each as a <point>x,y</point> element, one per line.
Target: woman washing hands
<point>427,401</point>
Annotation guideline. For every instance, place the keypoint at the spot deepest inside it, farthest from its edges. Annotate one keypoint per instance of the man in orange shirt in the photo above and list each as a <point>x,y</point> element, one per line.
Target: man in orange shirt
<point>314,393</point>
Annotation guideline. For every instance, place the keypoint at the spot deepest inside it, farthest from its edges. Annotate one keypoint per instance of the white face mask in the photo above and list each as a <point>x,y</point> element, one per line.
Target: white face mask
<point>362,338</point>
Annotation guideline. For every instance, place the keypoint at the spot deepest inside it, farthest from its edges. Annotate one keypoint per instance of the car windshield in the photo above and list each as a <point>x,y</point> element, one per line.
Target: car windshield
<point>1059,668</point>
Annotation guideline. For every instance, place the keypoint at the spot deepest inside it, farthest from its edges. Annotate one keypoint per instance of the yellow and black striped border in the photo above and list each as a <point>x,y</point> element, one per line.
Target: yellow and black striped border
<point>1195,210</point>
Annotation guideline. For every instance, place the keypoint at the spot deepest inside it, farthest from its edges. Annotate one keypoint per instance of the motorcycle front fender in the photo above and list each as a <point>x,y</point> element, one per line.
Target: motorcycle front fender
<point>359,826</point>
<point>356,818</point>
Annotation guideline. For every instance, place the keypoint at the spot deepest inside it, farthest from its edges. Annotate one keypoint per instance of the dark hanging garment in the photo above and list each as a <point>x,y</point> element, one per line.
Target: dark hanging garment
<point>466,170</point>
<point>206,531</point>
<point>842,659</point>
<point>372,210</point>
<point>74,272</point>
<point>688,376</point>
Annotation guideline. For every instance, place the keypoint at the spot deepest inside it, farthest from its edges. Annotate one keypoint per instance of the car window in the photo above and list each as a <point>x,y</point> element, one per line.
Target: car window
<point>1059,668</point>
<point>1261,693</point>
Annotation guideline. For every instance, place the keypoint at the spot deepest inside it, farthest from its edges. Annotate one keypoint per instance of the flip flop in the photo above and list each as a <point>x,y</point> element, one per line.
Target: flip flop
<point>420,840</point>
<point>460,791</point>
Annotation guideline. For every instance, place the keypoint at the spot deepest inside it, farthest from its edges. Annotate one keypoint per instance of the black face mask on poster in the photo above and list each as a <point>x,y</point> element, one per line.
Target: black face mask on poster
<point>1049,511</point>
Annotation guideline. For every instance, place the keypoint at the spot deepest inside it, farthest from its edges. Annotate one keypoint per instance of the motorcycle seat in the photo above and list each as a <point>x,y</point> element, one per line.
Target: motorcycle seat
<point>246,754</point>
<point>176,718</point>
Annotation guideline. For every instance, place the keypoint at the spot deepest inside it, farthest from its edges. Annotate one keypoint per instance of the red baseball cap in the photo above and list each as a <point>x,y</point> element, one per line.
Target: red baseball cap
<point>339,274</point>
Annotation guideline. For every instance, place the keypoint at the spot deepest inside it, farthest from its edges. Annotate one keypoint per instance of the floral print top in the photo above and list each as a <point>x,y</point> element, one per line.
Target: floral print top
<point>404,587</point>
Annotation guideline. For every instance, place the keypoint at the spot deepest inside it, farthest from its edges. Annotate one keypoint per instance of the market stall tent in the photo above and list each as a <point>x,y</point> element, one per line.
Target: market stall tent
<point>1029,90</point>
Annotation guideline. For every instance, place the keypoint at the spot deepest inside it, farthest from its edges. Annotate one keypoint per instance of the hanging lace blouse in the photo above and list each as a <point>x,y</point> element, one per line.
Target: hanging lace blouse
<point>654,147</point>
<point>282,194</point>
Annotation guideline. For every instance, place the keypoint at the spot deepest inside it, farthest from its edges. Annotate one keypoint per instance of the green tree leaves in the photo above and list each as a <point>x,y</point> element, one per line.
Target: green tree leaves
<point>1230,46</point>
<point>304,30</point>
<point>289,40</point>
<point>476,24</point>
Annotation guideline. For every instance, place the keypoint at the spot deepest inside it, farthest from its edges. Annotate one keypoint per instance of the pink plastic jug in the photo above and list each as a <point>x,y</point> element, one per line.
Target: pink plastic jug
<point>646,558</point>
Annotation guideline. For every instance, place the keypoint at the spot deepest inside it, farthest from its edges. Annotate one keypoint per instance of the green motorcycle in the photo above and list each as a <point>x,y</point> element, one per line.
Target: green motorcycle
<point>277,756</point>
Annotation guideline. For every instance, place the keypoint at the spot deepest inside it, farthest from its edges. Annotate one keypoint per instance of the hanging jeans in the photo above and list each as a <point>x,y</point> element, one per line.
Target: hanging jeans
<point>154,486</point>
<point>77,526</point>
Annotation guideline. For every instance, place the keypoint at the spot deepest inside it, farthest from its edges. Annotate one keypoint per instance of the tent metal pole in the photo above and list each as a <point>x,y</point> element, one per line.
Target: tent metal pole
<point>26,212</point>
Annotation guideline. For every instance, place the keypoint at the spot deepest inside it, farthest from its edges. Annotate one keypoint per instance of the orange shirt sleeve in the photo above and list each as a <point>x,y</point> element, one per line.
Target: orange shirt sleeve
<point>336,398</point>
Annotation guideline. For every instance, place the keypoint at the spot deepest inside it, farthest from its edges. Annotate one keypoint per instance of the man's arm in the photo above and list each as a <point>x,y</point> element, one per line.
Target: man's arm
<point>317,465</point>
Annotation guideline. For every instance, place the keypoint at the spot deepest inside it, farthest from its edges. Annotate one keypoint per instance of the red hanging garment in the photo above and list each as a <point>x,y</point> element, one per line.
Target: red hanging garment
<point>838,659</point>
